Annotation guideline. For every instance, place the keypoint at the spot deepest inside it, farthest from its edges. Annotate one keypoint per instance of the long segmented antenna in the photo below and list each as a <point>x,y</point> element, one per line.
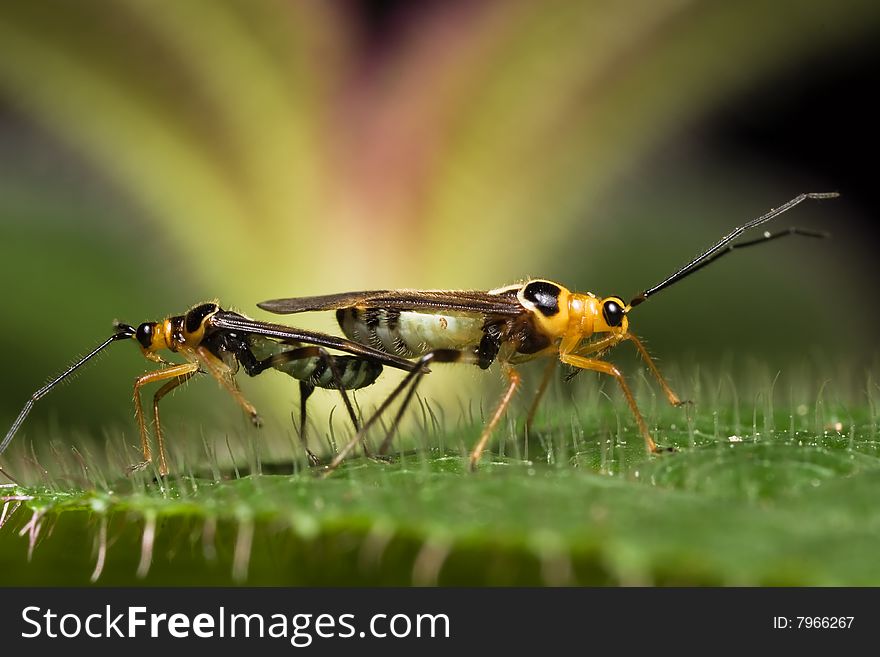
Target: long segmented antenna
<point>723,247</point>
<point>125,332</point>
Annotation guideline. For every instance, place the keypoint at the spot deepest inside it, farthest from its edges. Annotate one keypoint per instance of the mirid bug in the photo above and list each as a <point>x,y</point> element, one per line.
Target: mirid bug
<point>511,325</point>
<point>218,342</point>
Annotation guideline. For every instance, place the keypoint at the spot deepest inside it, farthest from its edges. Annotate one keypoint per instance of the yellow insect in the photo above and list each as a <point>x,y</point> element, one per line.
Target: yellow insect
<point>218,342</point>
<point>512,324</point>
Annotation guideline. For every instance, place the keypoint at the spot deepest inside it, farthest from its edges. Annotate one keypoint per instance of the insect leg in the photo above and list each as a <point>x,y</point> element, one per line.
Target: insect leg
<point>670,395</point>
<point>184,370</point>
<point>305,391</point>
<point>221,371</point>
<point>545,381</point>
<point>411,381</point>
<point>585,363</point>
<point>307,387</point>
<point>164,390</point>
<point>386,443</point>
<point>514,379</point>
<point>598,346</point>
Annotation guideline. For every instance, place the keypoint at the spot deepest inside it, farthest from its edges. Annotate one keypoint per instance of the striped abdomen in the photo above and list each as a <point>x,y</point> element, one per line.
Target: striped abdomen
<point>354,372</point>
<point>409,333</point>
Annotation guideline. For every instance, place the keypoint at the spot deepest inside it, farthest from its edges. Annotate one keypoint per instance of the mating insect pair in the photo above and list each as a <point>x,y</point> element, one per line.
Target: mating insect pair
<point>408,330</point>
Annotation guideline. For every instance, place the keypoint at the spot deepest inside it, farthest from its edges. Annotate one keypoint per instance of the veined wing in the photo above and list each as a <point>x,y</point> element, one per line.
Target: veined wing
<point>235,322</point>
<point>477,301</point>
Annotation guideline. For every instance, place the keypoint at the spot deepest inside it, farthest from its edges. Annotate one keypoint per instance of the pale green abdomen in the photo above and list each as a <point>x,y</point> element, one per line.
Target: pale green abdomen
<point>409,333</point>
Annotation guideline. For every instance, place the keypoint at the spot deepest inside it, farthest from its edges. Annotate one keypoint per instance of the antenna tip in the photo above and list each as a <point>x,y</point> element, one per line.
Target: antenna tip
<point>822,195</point>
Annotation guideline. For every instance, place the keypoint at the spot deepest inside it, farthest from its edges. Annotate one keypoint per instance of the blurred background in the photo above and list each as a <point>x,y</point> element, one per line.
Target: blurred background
<point>154,155</point>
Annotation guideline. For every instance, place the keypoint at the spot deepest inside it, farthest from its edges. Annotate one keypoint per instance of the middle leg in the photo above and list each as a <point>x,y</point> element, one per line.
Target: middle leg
<point>222,372</point>
<point>172,372</point>
<point>513,382</point>
<point>545,381</point>
<point>161,392</point>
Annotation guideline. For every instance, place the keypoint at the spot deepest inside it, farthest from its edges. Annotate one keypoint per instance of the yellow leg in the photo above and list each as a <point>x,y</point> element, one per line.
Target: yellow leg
<point>606,343</point>
<point>585,363</point>
<point>161,392</point>
<point>545,381</point>
<point>598,346</point>
<point>514,379</point>
<point>221,371</point>
<point>670,395</point>
<point>184,370</point>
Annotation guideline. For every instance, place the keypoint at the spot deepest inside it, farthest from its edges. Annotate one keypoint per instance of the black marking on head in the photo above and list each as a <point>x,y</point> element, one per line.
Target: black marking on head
<point>613,312</point>
<point>544,295</point>
<point>197,315</point>
<point>144,334</point>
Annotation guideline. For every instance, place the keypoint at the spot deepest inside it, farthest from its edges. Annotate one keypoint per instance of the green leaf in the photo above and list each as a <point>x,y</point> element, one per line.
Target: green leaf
<point>792,508</point>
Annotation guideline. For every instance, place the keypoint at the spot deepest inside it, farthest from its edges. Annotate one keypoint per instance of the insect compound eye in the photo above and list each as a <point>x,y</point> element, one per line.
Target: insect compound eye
<point>197,315</point>
<point>144,334</point>
<point>612,311</point>
<point>544,295</point>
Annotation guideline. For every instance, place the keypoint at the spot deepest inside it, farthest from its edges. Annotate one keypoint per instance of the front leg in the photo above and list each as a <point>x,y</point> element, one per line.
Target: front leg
<point>673,399</point>
<point>183,371</point>
<point>597,347</point>
<point>584,363</point>
<point>179,380</point>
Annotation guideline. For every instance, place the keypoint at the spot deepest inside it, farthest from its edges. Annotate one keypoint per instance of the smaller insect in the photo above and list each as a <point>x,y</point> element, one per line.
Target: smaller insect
<point>511,324</point>
<point>218,342</point>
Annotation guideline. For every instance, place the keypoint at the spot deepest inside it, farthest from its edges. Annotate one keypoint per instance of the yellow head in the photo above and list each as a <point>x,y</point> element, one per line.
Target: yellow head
<point>612,316</point>
<point>572,317</point>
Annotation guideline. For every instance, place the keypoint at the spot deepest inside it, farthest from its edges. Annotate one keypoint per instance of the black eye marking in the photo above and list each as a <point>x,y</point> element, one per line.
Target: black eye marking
<point>197,315</point>
<point>544,295</point>
<point>612,311</point>
<point>144,334</point>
